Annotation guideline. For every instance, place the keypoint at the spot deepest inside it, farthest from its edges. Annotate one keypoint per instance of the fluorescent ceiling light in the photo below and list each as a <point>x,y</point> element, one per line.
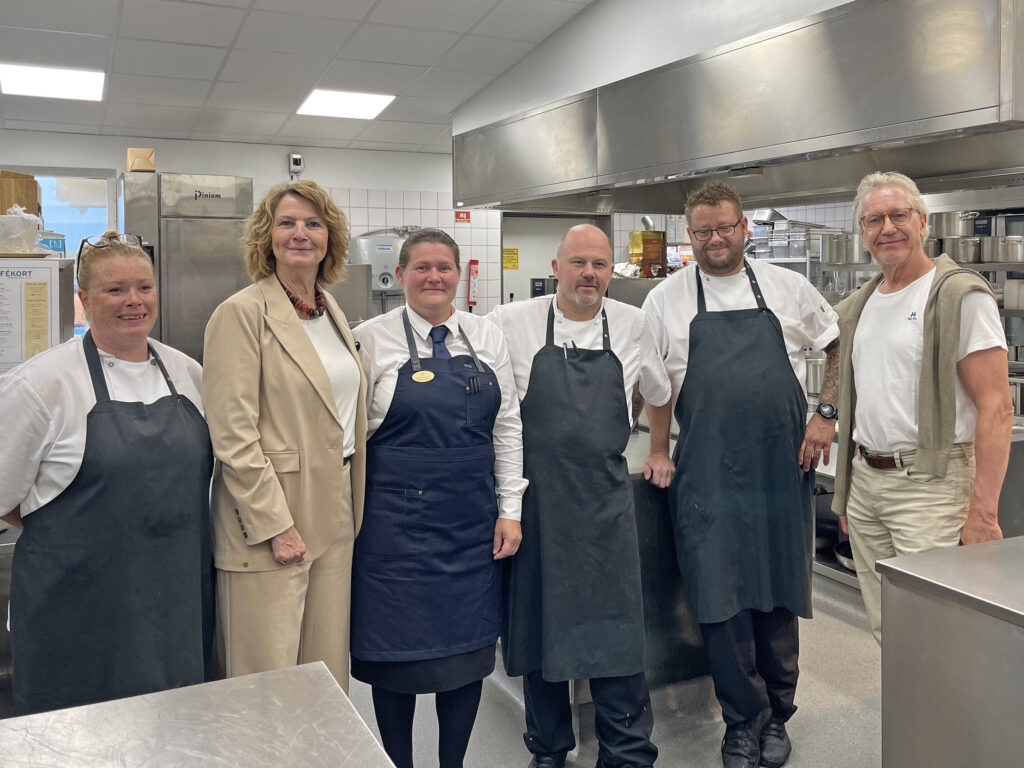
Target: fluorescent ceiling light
<point>362,106</point>
<point>51,83</point>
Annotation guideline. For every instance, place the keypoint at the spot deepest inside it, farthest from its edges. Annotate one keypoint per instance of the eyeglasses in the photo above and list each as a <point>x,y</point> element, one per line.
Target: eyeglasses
<point>899,217</point>
<point>97,242</point>
<point>703,235</point>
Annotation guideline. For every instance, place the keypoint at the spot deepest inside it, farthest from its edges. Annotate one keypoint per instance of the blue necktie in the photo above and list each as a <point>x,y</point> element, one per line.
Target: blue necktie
<point>437,334</point>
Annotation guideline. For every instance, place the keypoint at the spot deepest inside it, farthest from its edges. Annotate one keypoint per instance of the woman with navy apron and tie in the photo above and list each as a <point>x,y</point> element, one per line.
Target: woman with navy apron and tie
<point>444,492</point>
<point>107,464</point>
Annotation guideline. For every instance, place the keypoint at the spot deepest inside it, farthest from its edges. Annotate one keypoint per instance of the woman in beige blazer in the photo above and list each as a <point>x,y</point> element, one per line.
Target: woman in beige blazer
<point>285,401</point>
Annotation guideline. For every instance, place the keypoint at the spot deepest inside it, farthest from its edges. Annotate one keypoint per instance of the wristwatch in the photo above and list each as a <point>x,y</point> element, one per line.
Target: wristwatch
<point>827,411</point>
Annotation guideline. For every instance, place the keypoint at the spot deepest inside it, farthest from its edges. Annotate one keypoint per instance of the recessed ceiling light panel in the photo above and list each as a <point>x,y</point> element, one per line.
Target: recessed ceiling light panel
<point>51,83</point>
<point>361,106</point>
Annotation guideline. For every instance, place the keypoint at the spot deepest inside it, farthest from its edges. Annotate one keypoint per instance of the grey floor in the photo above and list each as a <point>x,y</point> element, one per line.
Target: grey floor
<point>839,696</point>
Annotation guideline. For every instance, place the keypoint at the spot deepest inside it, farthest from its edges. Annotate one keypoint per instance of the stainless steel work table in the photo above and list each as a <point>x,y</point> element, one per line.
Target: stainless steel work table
<point>953,657</point>
<point>289,717</point>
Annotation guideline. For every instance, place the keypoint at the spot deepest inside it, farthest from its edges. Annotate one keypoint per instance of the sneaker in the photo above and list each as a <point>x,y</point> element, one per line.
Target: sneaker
<point>775,744</point>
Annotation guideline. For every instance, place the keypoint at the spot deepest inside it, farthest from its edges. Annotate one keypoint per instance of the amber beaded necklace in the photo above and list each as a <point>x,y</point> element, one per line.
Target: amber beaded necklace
<point>303,308</point>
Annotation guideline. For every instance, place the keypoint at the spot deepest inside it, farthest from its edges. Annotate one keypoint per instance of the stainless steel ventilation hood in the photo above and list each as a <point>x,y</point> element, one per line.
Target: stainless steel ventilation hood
<point>934,88</point>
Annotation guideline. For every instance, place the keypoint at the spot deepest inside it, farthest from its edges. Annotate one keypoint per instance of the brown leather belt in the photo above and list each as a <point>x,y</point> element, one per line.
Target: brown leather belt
<point>885,460</point>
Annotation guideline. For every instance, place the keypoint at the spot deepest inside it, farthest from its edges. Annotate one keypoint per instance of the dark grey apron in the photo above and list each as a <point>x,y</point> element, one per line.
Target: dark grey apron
<point>112,581</point>
<point>739,500</point>
<point>574,603</point>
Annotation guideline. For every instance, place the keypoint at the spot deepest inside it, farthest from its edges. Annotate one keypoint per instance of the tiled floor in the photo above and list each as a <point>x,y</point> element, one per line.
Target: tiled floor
<point>839,695</point>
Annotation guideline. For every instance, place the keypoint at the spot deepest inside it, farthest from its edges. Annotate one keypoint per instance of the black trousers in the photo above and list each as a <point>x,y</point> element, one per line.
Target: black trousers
<point>623,720</point>
<point>753,659</point>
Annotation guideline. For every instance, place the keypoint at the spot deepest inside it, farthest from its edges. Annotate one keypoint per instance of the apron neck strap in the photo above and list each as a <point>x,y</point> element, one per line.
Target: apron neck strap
<point>606,341</point>
<point>414,355</point>
<point>754,286</point>
<point>99,384</point>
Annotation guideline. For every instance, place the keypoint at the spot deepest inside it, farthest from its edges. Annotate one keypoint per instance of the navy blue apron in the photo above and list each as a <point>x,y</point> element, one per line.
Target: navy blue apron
<point>575,601</point>
<point>740,502</point>
<point>424,582</point>
<point>112,581</point>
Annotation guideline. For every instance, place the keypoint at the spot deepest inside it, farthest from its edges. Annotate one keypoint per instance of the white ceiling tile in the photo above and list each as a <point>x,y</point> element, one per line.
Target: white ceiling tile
<point>298,142</point>
<point>354,10</point>
<point>323,127</point>
<point>406,133</point>
<point>236,121</point>
<point>450,15</point>
<point>370,76</point>
<point>51,110</point>
<point>398,45</point>
<point>276,97</point>
<point>95,17</point>
<point>274,69</point>
<point>180,22</point>
<point>291,33</point>
<point>476,53</point>
<point>384,145</point>
<point>137,132</point>
<point>531,20</point>
<point>21,125</point>
<point>410,109</point>
<point>143,57</point>
<point>435,149</point>
<point>148,116</point>
<point>449,84</point>
<point>238,138</point>
<point>169,91</point>
<point>54,49</point>
<point>232,3</point>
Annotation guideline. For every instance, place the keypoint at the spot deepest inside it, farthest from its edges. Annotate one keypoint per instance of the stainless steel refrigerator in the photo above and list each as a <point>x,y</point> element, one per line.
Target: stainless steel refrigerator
<point>194,225</point>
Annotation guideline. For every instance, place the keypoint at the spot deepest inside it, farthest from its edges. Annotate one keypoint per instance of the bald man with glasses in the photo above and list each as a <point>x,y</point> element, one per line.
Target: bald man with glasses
<point>732,333</point>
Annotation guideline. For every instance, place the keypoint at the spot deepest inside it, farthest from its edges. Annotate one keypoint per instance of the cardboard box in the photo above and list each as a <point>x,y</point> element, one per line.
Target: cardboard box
<point>140,159</point>
<point>22,189</point>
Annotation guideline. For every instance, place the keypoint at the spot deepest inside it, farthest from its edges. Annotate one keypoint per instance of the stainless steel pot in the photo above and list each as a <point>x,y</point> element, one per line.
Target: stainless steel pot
<point>952,224</point>
<point>932,247</point>
<point>964,250</point>
<point>990,249</point>
<point>815,375</point>
<point>1011,249</point>
<point>838,248</point>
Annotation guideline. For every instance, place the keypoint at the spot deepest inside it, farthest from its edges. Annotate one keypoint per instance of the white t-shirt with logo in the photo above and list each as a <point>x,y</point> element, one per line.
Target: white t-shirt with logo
<point>887,350</point>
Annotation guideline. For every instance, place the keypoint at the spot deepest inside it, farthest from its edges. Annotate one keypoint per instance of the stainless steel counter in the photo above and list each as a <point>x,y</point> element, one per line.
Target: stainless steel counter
<point>289,717</point>
<point>952,651</point>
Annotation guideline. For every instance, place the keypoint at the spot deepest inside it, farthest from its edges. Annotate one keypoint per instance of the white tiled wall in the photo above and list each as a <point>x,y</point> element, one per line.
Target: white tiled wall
<point>480,238</point>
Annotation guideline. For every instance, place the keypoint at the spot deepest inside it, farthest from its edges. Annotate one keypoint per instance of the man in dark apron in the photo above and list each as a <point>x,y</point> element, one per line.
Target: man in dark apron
<point>574,609</point>
<point>740,497</point>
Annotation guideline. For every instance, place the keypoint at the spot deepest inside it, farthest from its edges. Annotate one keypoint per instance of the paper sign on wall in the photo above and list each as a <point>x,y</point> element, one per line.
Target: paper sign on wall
<point>510,258</point>
<point>462,217</point>
<point>474,280</point>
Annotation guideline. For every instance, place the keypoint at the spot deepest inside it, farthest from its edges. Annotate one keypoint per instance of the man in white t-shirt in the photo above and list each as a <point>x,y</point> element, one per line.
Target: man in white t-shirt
<point>924,403</point>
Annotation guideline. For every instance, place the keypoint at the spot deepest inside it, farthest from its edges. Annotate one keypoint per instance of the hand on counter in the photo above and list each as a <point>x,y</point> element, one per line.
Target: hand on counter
<point>507,535</point>
<point>659,468</point>
<point>817,442</point>
<point>288,547</point>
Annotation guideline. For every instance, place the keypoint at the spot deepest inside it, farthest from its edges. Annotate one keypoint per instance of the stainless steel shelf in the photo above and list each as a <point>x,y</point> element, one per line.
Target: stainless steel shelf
<point>871,267</point>
<point>994,266</point>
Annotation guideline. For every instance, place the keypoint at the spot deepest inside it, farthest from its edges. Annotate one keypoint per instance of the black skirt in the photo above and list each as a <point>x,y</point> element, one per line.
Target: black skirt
<point>427,675</point>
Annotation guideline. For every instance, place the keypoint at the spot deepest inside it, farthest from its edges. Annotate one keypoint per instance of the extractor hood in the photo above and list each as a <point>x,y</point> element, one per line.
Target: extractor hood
<point>934,88</point>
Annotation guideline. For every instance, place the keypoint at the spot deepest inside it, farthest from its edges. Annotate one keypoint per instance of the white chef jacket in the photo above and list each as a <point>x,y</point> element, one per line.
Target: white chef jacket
<point>806,318</point>
<point>45,402</point>
<point>524,324</point>
<point>383,350</point>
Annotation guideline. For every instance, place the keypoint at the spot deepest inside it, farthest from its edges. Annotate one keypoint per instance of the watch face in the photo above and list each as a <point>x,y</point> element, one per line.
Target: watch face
<point>827,410</point>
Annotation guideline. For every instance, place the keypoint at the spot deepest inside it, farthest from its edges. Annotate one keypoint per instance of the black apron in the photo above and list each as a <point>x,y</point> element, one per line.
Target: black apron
<point>424,582</point>
<point>740,502</point>
<point>575,604</point>
<point>112,581</point>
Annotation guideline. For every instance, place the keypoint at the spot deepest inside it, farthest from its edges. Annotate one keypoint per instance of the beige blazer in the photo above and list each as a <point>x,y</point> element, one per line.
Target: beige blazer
<point>276,432</point>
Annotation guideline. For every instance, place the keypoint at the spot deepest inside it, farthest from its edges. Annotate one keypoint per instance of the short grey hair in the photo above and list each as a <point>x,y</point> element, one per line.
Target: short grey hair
<point>873,181</point>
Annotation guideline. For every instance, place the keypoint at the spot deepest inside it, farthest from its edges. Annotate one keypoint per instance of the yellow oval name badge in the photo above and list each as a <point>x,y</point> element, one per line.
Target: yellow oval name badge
<point>422,376</point>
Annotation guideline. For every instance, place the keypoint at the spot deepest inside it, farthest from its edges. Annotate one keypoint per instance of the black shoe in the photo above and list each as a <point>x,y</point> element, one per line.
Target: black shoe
<point>556,760</point>
<point>741,747</point>
<point>775,744</point>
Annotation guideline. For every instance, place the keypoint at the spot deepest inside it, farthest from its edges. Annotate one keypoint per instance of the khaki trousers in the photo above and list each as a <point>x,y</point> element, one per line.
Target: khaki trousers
<point>899,512</point>
<point>294,615</point>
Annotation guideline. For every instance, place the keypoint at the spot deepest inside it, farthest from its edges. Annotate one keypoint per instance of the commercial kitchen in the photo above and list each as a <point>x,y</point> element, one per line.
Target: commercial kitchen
<point>512,121</point>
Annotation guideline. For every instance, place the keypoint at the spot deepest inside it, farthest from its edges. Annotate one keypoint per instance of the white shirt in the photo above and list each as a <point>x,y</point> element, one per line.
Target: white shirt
<point>806,318</point>
<point>383,350</point>
<point>887,350</point>
<point>45,402</point>
<point>525,323</point>
<point>342,372</point>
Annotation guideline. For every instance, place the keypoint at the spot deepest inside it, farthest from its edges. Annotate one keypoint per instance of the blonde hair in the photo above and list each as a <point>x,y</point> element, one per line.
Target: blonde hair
<point>88,255</point>
<point>259,254</point>
<point>873,181</point>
